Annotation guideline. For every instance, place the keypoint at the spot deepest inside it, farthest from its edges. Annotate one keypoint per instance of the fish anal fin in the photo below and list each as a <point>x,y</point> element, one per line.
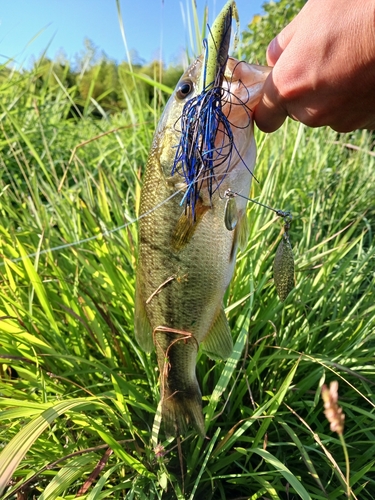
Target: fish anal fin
<point>186,226</point>
<point>142,326</point>
<point>218,343</point>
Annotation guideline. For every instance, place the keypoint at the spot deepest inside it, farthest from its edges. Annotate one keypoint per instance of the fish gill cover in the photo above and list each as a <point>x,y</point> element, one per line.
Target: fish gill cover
<point>198,155</point>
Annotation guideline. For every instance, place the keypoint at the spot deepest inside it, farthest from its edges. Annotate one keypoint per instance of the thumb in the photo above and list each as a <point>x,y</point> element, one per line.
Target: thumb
<point>269,115</point>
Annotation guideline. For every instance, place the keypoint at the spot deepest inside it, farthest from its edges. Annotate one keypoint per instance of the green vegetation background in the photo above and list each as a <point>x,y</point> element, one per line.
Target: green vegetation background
<point>78,397</point>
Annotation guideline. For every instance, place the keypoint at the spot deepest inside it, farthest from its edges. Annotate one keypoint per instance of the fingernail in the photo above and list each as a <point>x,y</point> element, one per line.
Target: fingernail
<point>271,52</point>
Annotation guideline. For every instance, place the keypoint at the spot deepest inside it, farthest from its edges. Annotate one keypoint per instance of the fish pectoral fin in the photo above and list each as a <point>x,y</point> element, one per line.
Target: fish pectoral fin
<point>142,326</point>
<point>186,226</point>
<point>241,235</point>
<point>218,343</point>
<point>243,231</point>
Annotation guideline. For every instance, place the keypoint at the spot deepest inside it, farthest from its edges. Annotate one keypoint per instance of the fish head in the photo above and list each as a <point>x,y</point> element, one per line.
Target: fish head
<point>240,91</point>
<point>168,132</point>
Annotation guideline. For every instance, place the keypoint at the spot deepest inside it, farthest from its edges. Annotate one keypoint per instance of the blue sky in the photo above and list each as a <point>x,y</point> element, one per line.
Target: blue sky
<point>29,27</point>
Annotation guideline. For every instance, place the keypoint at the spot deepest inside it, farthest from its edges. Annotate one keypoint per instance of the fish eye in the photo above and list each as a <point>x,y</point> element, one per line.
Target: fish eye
<point>184,89</point>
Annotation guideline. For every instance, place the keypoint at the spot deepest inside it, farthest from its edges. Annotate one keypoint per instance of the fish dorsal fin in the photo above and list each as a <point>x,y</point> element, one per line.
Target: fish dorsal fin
<point>186,226</point>
<point>218,343</point>
<point>142,326</point>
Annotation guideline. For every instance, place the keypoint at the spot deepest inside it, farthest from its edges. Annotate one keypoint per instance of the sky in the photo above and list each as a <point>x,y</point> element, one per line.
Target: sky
<point>28,28</point>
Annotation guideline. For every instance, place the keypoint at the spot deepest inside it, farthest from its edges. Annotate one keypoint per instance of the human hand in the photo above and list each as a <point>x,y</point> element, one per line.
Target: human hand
<point>324,68</point>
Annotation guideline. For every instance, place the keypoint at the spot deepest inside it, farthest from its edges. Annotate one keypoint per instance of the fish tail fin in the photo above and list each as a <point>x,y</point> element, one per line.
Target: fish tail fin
<point>181,410</point>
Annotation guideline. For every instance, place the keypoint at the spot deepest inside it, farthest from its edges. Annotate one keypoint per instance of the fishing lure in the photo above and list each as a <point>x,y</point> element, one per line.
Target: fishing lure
<point>197,156</point>
<point>199,153</point>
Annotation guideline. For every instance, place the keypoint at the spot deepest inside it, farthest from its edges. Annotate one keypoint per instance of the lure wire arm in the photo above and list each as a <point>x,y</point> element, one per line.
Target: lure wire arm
<point>286,215</point>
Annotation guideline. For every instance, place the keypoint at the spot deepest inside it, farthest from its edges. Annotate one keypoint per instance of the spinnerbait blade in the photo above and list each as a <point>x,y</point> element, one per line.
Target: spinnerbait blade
<point>230,213</point>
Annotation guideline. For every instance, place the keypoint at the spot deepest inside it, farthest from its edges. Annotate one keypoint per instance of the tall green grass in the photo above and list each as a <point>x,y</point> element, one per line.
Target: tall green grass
<point>78,397</point>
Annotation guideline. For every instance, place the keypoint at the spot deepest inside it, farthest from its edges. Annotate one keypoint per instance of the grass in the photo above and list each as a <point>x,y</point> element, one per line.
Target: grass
<point>78,397</point>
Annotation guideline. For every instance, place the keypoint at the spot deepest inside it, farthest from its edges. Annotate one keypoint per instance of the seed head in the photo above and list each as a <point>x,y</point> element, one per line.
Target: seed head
<point>159,450</point>
<point>333,411</point>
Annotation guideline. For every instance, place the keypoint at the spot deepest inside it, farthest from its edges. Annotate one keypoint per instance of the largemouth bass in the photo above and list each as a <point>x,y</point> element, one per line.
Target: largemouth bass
<point>187,254</point>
